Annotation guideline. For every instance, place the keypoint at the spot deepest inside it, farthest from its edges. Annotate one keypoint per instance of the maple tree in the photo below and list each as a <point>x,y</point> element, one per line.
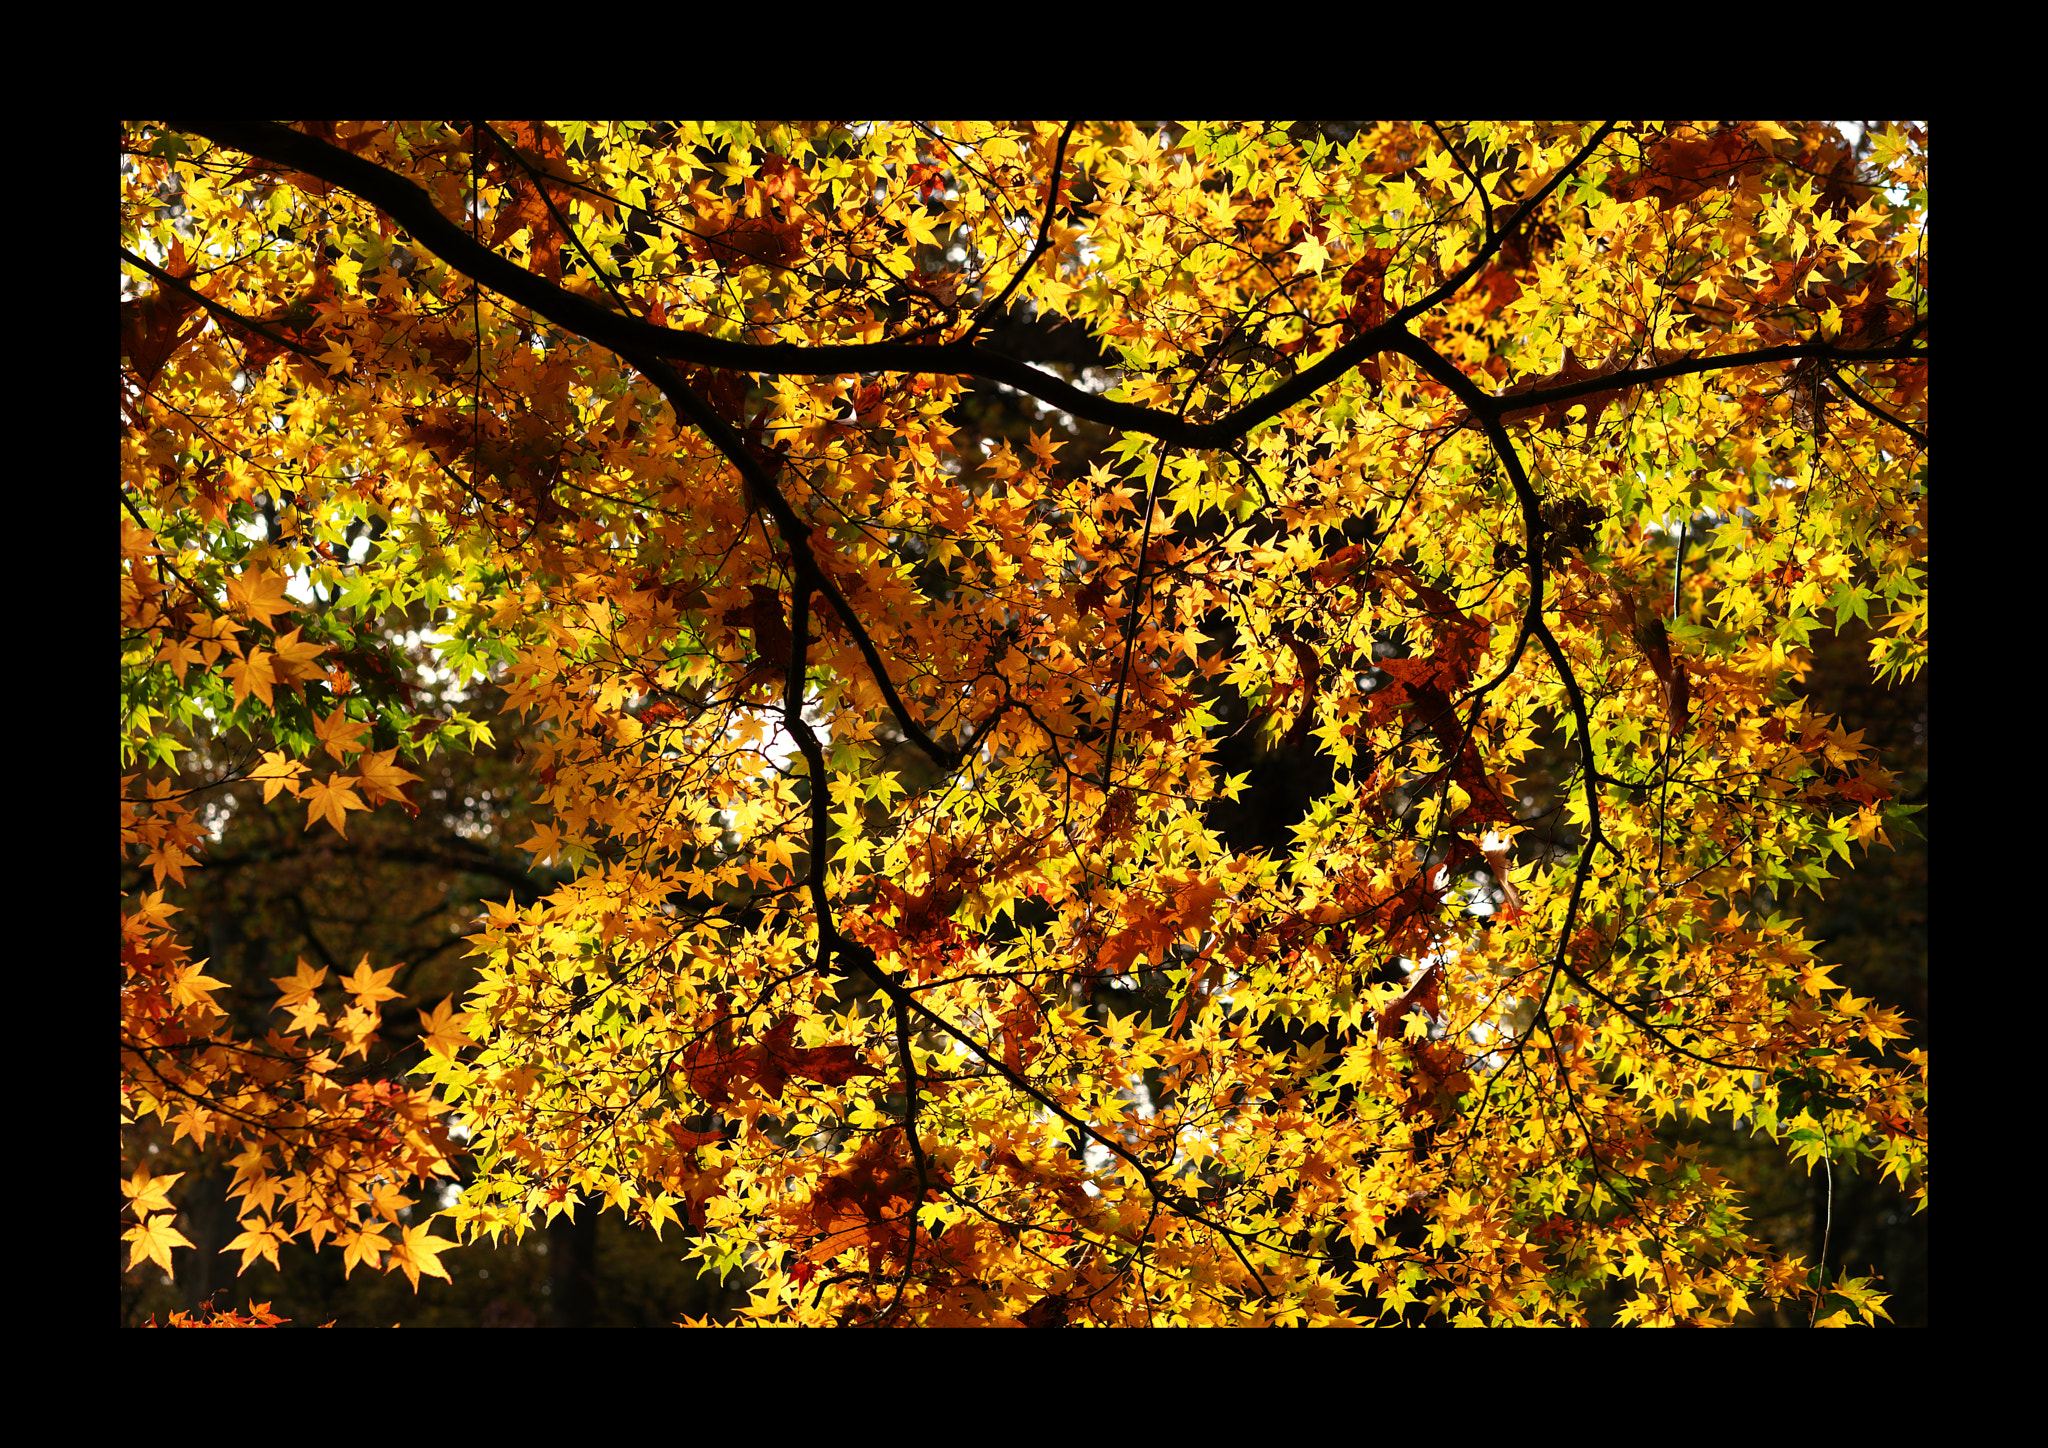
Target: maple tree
<point>1082,869</point>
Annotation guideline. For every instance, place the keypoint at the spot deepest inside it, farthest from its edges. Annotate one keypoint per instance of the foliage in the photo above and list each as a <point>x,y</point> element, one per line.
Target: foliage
<point>916,961</point>
<point>258,1315</point>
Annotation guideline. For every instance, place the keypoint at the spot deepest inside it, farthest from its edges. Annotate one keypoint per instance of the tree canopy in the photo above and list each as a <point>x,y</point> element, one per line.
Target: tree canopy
<point>1132,723</point>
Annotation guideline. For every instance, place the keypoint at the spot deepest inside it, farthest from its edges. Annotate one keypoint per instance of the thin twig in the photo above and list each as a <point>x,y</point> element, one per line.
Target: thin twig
<point>226,314</point>
<point>988,310</point>
<point>1854,396</point>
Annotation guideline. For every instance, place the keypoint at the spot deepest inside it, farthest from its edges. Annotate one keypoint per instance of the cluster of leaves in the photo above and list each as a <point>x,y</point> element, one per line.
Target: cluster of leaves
<point>906,965</point>
<point>258,1315</point>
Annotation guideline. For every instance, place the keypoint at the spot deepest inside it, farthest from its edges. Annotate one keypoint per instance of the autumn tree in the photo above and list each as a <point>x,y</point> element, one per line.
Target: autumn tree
<point>1191,724</point>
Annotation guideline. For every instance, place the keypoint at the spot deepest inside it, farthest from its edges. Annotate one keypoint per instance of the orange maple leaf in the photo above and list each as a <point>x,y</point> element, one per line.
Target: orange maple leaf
<point>299,986</point>
<point>297,658</point>
<point>147,1194</point>
<point>418,1253</point>
<point>253,675</point>
<point>277,773</point>
<point>329,799</point>
<point>371,986</point>
<point>259,594</point>
<point>190,987</point>
<point>383,779</point>
<point>340,734</point>
<point>259,1238</point>
<point>441,1033</point>
<point>368,1245</point>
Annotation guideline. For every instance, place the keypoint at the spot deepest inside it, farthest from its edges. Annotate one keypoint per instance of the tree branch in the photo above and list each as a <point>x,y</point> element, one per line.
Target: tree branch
<point>633,339</point>
<point>1869,406</point>
<point>796,535</point>
<point>225,314</point>
<point>1052,196</point>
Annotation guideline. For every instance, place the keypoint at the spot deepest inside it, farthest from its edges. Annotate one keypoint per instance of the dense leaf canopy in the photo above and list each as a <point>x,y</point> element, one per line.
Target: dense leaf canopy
<point>1143,724</point>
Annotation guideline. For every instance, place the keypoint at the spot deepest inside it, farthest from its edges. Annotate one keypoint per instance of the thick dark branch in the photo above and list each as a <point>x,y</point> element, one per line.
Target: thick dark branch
<point>1868,406</point>
<point>1900,351</point>
<point>1480,406</point>
<point>633,339</point>
<point>1135,607</point>
<point>762,488</point>
<point>1533,625</point>
<point>1584,720</point>
<point>818,869</point>
<point>1487,411</point>
<point>796,534</point>
<point>412,208</point>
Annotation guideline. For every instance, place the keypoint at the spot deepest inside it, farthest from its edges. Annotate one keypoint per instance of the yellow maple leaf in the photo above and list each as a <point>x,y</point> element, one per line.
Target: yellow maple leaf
<point>330,798</point>
<point>307,1016</point>
<point>777,850</point>
<point>419,1253</point>
<point>662,1208</point>
<point>153,1240</point>
<point>261,1194</point>
<point>1813,978</point>
<point>189,987</point>
<point>545,845</point>
<point>147,1194</point>
<point>1844,748</point>
<point>1440,168</point>
<point>338,357</point>
<point>1312,252</point>
<point>168,859</point>
<point>356,1029</point>
<point>259,1239</point>
<point>387,1201</point>
<point>921,229</point>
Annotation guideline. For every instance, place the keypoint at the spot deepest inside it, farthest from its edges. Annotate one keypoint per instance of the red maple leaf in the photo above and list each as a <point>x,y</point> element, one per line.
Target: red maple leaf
<point>713,1068</point>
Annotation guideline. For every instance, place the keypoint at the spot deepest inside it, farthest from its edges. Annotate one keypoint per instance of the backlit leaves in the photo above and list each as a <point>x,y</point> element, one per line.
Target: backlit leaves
<point>889,724</point>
